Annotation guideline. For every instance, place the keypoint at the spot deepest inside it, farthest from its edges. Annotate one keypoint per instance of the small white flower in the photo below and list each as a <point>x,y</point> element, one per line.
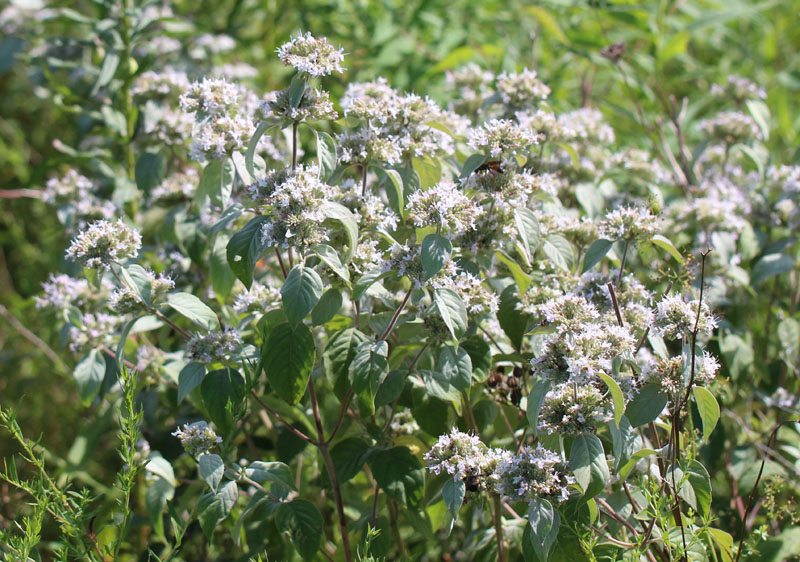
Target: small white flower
<point>314,56</point>
<point>104,243</point>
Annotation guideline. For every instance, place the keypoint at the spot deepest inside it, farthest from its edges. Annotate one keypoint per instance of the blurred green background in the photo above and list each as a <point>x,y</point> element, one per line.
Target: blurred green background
<point>673,48</point>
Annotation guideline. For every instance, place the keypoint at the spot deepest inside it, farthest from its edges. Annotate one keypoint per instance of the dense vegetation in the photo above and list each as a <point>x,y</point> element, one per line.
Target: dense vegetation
<point>438,280</point>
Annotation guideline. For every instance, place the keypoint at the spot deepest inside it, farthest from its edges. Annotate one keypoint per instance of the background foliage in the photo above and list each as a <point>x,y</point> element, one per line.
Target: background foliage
<point>674,49</point>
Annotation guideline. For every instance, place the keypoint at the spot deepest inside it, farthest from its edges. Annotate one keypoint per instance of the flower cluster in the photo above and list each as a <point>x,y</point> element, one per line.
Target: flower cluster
<point>628,223</point>
<point>197,438</point>
<point>103,243</point>
<point>214,346</point>
<point>529,474</point>
<point>443,206</point>
<point>675,318</point>
<point>521,90</point>
<point>315,105</point>
<point>730,127</point>
<point>294,202</point>
<point>312,55</point>
<point>535,473</point>
<point>738,89</point>
<point>501,137</point>
<point>126,300</point>
<point>259,298</point>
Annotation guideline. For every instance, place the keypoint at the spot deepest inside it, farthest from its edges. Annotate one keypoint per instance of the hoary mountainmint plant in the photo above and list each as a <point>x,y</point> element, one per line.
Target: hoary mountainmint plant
<point>382,328</point>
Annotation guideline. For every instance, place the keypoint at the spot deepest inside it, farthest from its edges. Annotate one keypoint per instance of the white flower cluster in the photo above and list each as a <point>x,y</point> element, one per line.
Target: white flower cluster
<point>370,212</point>
<point>315,105</point>
<point>167,85</point>
<point>521,90</point>
<point>467,459</point>
<point>543,123</point>
<point>529,474</point>
<point>312,55</point>
<point>535,473</point>
<point>738,89</point>
<point>501,137</point>
<point>675,318</point>
<point>673,375</point>
<point>197,438</point>
<point>214,346</point>
<point>628,223</point>
<point>582,348</point>
<point>214,96</point>
<point>585,125</point>
<point>475,296</point>
<point>178,186</point>
<point>94,331</point>
<point>730,127</point>
<point>405,262</point>
<point>103,243</point>
<point>403,119</point>
<point>443,206</point>
<point>77,192</point>
<point>367,145</point>
<point>472,85</point>
<point>403,423</point>
<point>259,298</point>
<point>294,203</point>
<point>125,300</point>
<point>62,290</point>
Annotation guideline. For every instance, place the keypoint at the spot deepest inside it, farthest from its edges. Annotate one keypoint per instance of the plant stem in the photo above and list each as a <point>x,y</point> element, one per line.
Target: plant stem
<point>502,555</point>
<point>622,263</point>
<point>295,124</point>
<point>364,182</point>
<point>396,315</point>
<point>322,445</point>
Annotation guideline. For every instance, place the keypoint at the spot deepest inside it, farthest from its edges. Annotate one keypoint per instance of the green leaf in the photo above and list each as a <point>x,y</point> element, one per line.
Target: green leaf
<point>149,171</point>
<point>216,182</point>
<point>249,156</point>
<point>300,293</point>
<point>240,165</point>
<point>89,374</point>
<point>399,474</point>
<point>708,408</point>
<point>559,250</point>
<point>190,378</point>
<point>304,522</point>
<point>471,164</point>
<point>573,154</point>
<point>331,259</point>
<point>342,214</point>
<point>348,457</point>
<point>436,252</point>
<point>769,266</point>
<point>245,248</point>
<point>339,354</point>
<point>223,393</point>
<point>396,193</point>
<point>123,337</point>
<point>590,198</point>
<point>646,406</point>
<point>521,278</point>
<point>211,468</point>
<point>158,493</point>
<point>625,469</point>
<point>135,277</point>
<point>274,472</point>
<point>760,112</point>
<point>455,365</point>
<point>666,244</point>
<point>327,307</point>
<point>588,461</point>
<point>161,467</point>
<point>616,397</point>
<point>369,368</point>
<point>107,70</point>
<point>535,400</point>
<point>529,231</point>
<point>452,310</point>
<point>194,309</point>
<point>326,155</point>
<point>453,493</point>
<point>222,278</point>
<point>694,486</point>
<point>512,320</point>
<point>439,386</point>
<point>212,509</point>
<point>296,89</point>
<point>675,46</point>
<point>288,357</point>
<point>544,522</point>
<point>596,252</point>
<point>428,169</point>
